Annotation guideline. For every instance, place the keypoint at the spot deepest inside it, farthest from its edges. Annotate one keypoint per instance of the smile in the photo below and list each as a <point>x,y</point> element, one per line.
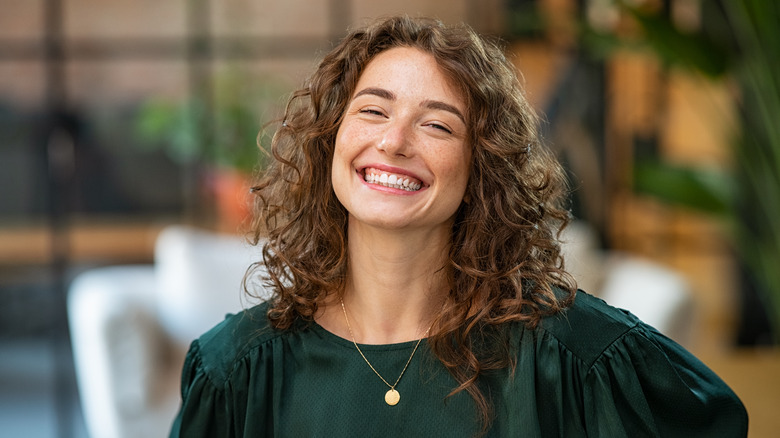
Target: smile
<point>396,181</point>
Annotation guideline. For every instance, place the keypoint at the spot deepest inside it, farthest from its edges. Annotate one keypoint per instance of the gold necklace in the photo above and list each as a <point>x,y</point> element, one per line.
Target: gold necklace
<point>392,397</point>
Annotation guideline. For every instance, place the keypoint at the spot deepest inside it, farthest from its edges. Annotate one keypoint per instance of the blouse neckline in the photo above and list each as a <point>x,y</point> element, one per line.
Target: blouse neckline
<point>336,339</point>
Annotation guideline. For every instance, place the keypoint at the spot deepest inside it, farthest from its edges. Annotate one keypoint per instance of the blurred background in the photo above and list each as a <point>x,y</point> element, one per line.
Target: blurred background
<point>128,130</point>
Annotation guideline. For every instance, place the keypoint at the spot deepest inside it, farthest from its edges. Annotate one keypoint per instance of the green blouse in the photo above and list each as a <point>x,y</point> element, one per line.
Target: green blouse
<point>592,370</point>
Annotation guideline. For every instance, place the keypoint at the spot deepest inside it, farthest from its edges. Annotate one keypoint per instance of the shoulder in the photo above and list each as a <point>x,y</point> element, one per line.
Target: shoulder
<point>634,381</point>
<point>229,342</point>
<point>589,326</point>
<point>223,374</point>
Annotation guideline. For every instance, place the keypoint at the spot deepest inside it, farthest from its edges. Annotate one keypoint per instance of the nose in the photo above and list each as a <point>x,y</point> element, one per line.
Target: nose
<point>396,140</point>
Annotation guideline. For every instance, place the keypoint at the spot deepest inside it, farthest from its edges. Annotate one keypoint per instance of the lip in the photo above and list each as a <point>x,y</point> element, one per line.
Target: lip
<point>360,172</point>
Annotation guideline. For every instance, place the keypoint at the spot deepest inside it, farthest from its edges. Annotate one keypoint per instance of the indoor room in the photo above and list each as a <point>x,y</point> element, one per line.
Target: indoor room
<point>132,134</point>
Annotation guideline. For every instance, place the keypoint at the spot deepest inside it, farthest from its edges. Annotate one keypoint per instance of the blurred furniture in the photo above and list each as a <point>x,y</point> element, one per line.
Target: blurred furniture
<point>655,293</point>
<point>131,325</point>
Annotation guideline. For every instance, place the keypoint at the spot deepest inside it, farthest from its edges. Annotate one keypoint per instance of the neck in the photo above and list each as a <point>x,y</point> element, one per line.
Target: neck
<point>395,284</point>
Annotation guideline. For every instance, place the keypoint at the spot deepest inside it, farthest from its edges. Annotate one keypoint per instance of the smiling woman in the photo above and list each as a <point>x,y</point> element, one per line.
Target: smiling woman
<point>409,224</point>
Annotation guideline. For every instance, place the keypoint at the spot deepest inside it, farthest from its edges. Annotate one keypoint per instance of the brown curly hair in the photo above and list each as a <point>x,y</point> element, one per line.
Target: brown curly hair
<point>505,262</point>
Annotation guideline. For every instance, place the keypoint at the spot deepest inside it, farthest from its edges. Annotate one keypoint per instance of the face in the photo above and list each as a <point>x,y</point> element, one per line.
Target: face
<point>401,160</point>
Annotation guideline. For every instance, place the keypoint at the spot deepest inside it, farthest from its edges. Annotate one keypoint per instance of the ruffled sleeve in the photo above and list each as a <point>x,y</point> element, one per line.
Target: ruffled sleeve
<point>629,380</point>
<point>645,384</point>
<point>218,377</point>
<point>205,410</point>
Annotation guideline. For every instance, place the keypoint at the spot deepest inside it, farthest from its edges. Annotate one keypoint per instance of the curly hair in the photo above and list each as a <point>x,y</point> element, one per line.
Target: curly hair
<point>505,263</point>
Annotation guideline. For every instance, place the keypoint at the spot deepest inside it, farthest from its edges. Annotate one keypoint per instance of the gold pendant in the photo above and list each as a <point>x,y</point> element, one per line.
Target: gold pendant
<point>392,397</point>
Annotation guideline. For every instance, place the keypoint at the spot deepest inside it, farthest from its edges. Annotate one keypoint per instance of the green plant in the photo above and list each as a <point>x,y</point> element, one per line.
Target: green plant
<point>740,40</point>
<point>226,129</point>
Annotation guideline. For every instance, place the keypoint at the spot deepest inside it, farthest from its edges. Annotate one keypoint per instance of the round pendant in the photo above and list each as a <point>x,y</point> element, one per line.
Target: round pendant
<point>392,397</point>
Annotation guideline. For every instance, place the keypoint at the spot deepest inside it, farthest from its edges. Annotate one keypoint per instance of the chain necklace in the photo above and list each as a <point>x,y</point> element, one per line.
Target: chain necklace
<point>392,397</point>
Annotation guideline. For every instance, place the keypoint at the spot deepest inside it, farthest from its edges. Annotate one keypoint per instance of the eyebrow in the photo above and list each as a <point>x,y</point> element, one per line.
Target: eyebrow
<point>380,92</point>
<point>439,105</point>
<point>431,104</point>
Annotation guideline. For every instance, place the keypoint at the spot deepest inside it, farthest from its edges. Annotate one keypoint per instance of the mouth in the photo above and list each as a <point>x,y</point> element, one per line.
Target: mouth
<point>392,180</point>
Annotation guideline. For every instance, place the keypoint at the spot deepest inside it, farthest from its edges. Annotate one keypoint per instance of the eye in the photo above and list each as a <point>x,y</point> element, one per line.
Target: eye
<point>440,127</point>
<point>372,111</point>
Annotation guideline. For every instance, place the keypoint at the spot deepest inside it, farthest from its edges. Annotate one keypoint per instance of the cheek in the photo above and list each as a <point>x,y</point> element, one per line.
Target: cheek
<point>345,143</point>
<point>458,165</point>
<point>462,170</point>
<point>341,167</point>
<point>342,148</point>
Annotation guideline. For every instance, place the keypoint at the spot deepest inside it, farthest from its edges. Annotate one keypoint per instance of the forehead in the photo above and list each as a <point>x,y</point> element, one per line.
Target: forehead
<point>412,71</point>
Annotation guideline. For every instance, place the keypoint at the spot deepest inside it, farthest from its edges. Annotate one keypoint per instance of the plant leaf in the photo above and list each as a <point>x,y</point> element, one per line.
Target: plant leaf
<point>704,190</point>
<point>694,50</point>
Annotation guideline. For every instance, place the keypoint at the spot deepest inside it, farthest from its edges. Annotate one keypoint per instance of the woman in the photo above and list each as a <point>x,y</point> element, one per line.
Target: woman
<point>410,220</point>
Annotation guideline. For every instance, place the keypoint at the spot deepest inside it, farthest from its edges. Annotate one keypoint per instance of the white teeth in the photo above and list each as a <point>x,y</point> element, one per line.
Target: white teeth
<point>393,181</point>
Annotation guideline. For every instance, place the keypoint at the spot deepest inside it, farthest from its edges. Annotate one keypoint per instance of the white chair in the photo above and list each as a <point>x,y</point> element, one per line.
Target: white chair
<point>131,326</point>
<point>655,293</point>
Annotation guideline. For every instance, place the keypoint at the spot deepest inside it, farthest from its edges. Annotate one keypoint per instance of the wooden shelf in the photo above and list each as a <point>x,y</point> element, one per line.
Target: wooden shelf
<point>85,241</point>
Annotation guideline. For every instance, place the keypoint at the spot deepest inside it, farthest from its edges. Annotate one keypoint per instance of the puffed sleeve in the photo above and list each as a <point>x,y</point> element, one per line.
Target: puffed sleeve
<point>227,380</point>
<point>203,412</point>
<point>212,406</point>
<point>646,385</point>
